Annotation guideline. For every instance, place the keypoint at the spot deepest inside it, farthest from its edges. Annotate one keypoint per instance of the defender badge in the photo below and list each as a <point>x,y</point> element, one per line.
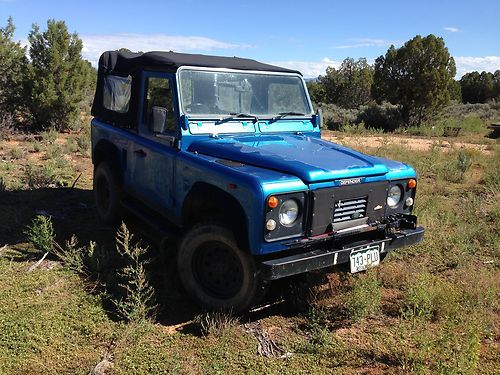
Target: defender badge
<point>350,181</point>
<point>377,207</point>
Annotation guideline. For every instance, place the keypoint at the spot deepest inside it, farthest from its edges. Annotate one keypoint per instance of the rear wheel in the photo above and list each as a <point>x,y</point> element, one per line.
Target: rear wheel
<point>107,194</point>
<point>215,272</point>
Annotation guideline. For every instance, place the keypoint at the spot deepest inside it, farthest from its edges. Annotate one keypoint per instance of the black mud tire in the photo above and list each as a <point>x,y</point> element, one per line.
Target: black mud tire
<point>107,194</point>
<point>215,272</point>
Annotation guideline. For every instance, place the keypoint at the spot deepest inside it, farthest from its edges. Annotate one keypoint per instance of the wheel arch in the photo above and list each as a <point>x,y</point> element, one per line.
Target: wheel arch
<point>206,202</point>
<point>105,150</point>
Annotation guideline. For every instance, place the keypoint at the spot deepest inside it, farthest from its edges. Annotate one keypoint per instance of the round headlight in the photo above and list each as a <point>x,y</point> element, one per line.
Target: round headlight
<point>289,211</point>
<point>394,196</point>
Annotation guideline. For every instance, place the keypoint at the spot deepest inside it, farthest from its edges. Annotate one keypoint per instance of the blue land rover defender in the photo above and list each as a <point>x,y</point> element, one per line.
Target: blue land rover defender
<point>229,151</point>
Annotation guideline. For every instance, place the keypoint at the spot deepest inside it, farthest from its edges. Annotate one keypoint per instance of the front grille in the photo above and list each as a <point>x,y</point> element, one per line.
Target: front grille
<point>333,207</point>
<point>350,209</point>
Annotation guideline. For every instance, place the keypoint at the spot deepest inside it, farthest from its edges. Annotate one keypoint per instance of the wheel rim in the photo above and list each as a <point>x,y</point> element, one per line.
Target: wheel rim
<point>217,270</point>
<point>103,194</point>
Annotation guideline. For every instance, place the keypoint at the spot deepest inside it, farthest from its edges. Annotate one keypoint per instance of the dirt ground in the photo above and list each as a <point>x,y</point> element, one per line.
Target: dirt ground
<point>412,143</point>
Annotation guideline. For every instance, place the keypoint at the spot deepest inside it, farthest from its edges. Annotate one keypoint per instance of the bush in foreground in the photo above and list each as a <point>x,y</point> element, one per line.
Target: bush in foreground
<point>41,234</point>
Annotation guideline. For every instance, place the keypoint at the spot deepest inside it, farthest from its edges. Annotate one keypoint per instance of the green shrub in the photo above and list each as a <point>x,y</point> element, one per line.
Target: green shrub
<point>352,128</point>
<point>92,260</point>
<point>54,151</point>
<point>72,256</point>
<point>484,112</point>
<point>455,171</point>
<point>41,234</point>
<point>49,136</point>
<point>138,303</point>
<point>37,146</point>
<point>386,117</point>
<point>334,116</point>
<point>464,162</point>
<point>57,172</point>
<point>40,176</point>
<point>83,142</point>
<point>3,185</point>
<point>320,338</point>
<point>363,299</point>
<point>16,153</point>
<point>71,146</point>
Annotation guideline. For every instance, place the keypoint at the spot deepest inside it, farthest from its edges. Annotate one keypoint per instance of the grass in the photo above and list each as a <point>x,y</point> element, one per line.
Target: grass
<point>430,308</point>
<point>216,323</point>
<point>468,125</point>
<point>364,297</point>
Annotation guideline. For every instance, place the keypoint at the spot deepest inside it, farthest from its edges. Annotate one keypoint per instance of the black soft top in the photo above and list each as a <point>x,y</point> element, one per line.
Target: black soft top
<point>129,64</point>
<point>124,63</point>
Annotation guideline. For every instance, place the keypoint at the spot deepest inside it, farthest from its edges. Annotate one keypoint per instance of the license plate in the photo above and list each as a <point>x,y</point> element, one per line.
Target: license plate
<point>363,259</point>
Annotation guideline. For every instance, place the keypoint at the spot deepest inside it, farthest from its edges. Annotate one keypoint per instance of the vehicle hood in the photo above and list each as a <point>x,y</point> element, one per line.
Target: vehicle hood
<point>311,159</point>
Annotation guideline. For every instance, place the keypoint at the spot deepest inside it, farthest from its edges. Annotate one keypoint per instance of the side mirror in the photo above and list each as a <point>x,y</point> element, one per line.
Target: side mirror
<point>159,118</point>
<point>319,115</point>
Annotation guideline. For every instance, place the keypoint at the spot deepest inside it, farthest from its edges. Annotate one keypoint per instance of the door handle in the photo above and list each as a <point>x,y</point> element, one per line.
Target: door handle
<point>140,152</point>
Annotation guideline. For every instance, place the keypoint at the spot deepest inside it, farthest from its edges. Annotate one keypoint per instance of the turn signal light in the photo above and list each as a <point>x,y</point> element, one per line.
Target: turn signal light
<point>272,202</point>
<point>412,183</point>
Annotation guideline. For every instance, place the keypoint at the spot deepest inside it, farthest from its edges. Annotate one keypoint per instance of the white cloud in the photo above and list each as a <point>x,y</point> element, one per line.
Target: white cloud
<point>310,69</point>
<point>95,45</point>
<point>367,42</point>
<point>466,64</point>
<point>452,29</point>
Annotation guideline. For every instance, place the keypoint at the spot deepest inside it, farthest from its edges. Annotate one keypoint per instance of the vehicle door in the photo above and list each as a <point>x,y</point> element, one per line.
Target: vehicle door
<point>153,153</point>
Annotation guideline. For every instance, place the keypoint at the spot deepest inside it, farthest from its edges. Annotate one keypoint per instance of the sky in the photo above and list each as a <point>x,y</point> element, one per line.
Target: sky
<point>307,35</point>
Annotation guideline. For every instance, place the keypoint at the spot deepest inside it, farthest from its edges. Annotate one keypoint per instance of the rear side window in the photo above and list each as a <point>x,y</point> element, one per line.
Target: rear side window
<point>116,95</point>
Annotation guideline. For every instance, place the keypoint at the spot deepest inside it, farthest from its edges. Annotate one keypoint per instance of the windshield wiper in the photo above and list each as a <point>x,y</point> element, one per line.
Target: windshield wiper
<point>284,114</point>
<point>233,116</point>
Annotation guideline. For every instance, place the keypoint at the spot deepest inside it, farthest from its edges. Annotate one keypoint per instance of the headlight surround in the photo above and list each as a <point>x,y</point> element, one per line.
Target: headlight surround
<point>289,212</point>
<point>394,196</point>
<point>288,216</point>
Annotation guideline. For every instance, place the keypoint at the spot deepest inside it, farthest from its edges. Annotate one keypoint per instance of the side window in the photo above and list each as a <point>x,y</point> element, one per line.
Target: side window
<point>116,95</point>
<point>159,113</point>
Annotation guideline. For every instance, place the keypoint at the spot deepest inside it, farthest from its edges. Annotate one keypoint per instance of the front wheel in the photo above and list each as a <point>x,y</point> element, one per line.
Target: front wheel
<point>215,272</point>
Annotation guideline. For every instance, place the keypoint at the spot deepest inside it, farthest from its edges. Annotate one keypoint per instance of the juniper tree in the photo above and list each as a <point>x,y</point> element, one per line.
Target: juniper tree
<point>416,76</point>
<point>348,86</point>
<point>480,87</point>
<point>12,63</point>
<point>58,76</point>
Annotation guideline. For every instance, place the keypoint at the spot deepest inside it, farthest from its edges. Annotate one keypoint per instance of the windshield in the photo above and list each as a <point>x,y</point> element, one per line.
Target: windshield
<point>228,93</point>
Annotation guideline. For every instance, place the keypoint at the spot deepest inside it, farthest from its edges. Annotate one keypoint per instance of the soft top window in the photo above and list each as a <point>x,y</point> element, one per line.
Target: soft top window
<point>116,93</point>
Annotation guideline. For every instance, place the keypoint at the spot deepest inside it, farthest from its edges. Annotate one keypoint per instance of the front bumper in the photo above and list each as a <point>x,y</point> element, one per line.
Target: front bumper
<point>325,257</point>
